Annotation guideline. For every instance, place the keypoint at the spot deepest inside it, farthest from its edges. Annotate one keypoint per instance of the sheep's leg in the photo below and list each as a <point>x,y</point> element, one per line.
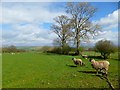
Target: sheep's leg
<point>81,63</point>
<point>97,72</point>
<point>101,70</point>
<point>104,72</point>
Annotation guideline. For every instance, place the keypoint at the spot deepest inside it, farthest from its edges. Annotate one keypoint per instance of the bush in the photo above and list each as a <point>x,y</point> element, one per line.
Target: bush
<point>81,49</point>
<point>45,49</point>
<point>65,50</point>
<point>11,49</point>
<point>57,50</point>
<point>105,47</point>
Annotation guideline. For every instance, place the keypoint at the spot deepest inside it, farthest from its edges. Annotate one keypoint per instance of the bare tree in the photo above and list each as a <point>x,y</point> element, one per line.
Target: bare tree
<point>57,42</point>
<point>62,29</point>
<point>80,19</point>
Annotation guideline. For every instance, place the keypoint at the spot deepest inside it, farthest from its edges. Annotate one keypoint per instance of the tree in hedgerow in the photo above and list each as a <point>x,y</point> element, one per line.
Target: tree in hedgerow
<point>62,29</point>
<point>105,47</point>
<point>83,28</point>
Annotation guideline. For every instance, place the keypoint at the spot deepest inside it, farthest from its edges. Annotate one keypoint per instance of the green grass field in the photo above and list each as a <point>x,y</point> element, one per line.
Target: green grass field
<point>38,70</point>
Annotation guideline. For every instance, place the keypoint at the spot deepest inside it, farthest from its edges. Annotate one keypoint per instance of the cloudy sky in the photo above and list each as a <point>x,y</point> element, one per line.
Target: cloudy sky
<point>28,23</point>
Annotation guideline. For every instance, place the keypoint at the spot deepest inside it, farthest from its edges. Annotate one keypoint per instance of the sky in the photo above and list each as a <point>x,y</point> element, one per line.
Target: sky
<point>28,23</point>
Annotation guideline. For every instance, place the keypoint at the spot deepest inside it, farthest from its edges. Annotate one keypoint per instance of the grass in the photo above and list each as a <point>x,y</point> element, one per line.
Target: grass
<point>38,70</point>
<point>0,71</point>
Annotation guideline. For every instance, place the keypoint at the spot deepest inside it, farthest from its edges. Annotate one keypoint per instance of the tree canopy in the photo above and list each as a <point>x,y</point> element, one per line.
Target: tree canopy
<point>105,47</point>
<point>81,13</point>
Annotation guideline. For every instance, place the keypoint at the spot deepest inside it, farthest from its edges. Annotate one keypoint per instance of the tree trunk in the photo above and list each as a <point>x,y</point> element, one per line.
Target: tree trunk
<point>78,45</point>
<point>63,45</point>
<point>77,51</point>
<point>77,42</point>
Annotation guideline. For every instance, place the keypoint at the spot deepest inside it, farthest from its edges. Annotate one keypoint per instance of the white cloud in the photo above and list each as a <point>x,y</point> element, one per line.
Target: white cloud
<point>31,31</point>
<point>106,35</point>
<point>28,13</point>
<point>109,25</point>
<point>110,19</point>
<point>27,35</point>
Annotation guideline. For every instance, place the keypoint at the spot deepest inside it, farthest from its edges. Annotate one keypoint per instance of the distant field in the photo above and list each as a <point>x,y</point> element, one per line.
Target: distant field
<point>29,47</point>
<point>38,70</point>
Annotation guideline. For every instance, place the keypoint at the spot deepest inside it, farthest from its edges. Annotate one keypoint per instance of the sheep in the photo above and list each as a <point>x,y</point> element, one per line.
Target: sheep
<point>85,56</point>
<point>12,53</point>
<point>78,61</point>
<point>100,65</point>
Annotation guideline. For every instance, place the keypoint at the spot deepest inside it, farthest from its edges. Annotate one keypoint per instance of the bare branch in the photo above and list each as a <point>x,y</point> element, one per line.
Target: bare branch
<point>62,28</point>
<point>80,21</point>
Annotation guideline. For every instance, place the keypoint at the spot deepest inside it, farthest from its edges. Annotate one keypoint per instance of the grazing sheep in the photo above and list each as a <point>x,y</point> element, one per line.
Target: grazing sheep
<point>12,53</point>
<point>100,65</point>
<point>85,56</point>
<point>83,63</point>
<point>78,61</point>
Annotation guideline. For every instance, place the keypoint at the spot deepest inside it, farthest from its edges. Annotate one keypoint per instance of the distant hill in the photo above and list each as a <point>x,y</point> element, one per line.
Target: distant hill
<point>29,47</point>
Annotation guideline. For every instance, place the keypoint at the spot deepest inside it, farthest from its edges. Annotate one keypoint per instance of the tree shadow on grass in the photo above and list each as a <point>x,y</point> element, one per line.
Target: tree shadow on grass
<point>115,59</point>
<point>89,72</point>
<point>104,77</point>
<point>75,65</point>
<point>71,65</point>
<point>95,57</point>
<point>101,76</point>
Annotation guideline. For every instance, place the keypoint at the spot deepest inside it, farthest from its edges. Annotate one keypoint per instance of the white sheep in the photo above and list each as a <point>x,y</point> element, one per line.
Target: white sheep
<point>12,53</point>
<point>85,56</point>
<point>78,61</point>
<point>100,65</point>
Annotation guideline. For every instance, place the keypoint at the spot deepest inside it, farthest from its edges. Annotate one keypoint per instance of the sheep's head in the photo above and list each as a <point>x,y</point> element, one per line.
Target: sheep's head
<point>73,58</point>
<point>83,63</point>
<point>91,60</point>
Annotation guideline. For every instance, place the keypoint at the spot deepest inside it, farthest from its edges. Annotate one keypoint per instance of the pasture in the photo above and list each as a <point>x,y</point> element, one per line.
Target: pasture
<point>40,70</point>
